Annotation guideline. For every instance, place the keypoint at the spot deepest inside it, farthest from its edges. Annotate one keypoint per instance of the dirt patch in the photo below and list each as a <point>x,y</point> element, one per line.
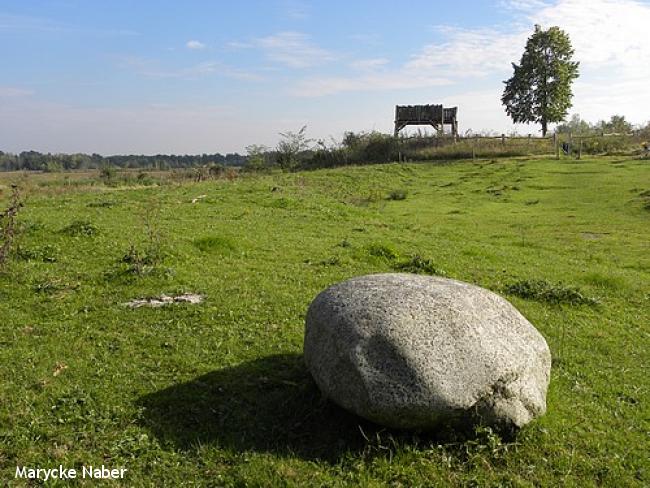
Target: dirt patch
<point>163,300</point>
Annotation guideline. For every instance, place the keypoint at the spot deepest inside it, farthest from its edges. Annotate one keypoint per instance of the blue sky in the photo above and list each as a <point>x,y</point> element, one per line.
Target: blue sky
<point>198,76</point>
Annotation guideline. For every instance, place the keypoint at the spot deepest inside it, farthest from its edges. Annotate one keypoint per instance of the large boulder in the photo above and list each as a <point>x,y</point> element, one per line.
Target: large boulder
<point>412,351</point>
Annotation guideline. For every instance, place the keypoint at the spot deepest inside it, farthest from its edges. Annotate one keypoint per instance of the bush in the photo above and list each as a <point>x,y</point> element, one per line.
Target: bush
<point>372,147</point>
<point>107,173</point>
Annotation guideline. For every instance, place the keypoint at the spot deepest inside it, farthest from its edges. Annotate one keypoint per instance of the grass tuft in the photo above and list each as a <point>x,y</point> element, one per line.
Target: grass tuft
<point>419,265</point>
<point>80,228</point>
<point>543,291</point>
<point>45,254</point>
<point>397,195</point>
<point>214,244</point>
<point>384,251</point>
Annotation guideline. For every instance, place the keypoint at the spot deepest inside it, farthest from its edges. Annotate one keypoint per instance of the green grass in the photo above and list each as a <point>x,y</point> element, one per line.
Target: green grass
<point>216,394</point>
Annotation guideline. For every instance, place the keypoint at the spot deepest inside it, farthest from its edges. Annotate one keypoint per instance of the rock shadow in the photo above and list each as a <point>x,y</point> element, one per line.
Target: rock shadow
<point>270,404</point>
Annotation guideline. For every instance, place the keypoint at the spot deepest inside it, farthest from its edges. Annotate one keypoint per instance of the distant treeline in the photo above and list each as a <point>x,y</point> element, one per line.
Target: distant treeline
<point>36,161</point>
<point>296,151</point>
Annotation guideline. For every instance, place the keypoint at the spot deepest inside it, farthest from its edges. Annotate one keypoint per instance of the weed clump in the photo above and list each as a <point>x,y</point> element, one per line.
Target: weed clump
<point>80,228</point>
<point>645,198</point>
<point>543,291</point>
<point>419,265</point>
<point>385,251</point>
<point>45,254</point>
<point>397,195</point>
<point>142,262</point>
<point>101,204</point>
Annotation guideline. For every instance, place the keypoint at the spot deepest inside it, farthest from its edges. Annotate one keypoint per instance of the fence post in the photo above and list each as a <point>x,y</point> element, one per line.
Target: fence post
<point>557,145</point>
<point>473,147</point>
<point>503,139</point>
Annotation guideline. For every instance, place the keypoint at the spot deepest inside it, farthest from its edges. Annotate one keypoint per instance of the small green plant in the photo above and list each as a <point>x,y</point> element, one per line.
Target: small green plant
<point>45,254</point>
<point>384,251</point>
<point>139,262</point>
<point>397,195</point>
<point>80,228</point>
<point>146,259</point>
<point>214,244</point>
<point>101,204</point>
<point>344,243</point>
<point>543,291</point>
<point>363,200</point>
<point>418,264</point>
<point>8,229</point>
<point>333,261</point>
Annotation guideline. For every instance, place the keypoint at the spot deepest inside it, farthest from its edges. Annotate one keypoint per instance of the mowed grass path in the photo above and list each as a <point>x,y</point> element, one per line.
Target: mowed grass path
<point>216,394</point>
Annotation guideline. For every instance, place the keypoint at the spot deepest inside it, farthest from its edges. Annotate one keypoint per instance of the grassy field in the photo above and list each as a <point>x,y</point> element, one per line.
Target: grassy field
<point>216,394</point>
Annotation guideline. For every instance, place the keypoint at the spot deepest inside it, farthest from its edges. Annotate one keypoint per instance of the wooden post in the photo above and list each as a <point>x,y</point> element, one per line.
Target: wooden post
<point>556,143</point>
<point>503,139</point>
<point>474,148</point>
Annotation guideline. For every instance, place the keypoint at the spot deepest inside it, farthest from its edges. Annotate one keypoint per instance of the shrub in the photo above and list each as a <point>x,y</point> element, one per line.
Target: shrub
<point>291,148</point>
<point>372,147</point>
<point>107,173</point>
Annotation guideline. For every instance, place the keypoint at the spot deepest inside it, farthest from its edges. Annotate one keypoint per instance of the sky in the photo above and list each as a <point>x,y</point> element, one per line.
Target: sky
<point>193,77</point>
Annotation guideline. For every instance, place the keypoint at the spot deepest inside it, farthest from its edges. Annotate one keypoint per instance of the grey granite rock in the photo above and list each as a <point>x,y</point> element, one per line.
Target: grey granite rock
<point>412,351</point>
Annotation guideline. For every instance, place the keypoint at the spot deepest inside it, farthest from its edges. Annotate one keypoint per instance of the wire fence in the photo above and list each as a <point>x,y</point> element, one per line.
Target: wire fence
<point>557,145</point>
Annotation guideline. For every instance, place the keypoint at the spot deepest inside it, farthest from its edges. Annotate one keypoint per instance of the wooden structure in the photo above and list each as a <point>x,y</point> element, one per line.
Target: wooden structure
<point>434,115</point>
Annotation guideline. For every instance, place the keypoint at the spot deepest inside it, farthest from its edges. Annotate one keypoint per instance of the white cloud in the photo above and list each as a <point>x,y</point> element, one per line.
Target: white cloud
<point>194,45</point>
<point>294,50</point>
<point>152,69</point>
<point>469,53</point>
<point>606,34</point>
<point>321,86</point>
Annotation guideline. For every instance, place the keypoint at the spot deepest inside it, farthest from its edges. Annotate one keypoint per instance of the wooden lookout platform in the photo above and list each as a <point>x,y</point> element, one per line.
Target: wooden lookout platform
<point>434,115</point>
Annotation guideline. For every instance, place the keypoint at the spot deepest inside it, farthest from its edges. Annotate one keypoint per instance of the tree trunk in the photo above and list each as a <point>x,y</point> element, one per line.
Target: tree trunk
<point>543,127</point>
